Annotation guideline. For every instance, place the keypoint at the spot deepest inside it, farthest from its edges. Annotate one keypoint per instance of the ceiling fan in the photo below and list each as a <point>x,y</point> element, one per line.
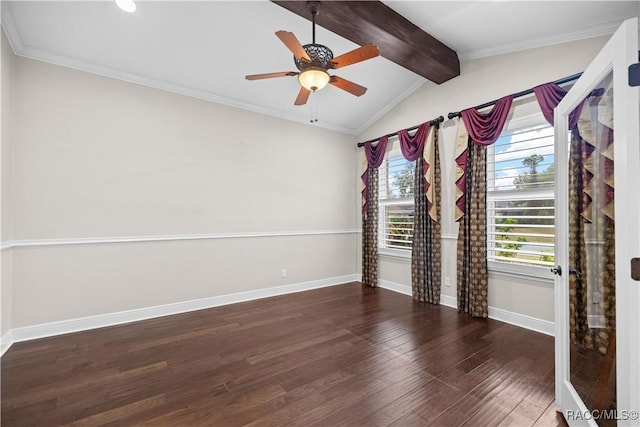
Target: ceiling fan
<point>314,60</point>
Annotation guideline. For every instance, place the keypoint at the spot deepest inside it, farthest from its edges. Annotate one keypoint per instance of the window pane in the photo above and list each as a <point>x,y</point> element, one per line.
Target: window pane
<point>398,180</point>
<point>396,203</point>
<point>521,231</point>
<point>520,203</point>
<point>523,159</point>
<point>398,226</point>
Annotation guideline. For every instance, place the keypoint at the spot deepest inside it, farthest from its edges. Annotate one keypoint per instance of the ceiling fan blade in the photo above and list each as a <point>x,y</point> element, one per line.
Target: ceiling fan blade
<point>351,87</point>
<point>303,96</point>
<point>360,54</point>
<point>290,40</point>
<point>271,75</point>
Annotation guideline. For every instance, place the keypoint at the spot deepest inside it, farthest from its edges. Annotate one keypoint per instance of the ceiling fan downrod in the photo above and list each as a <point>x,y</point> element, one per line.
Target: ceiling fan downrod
<point>314,8</point>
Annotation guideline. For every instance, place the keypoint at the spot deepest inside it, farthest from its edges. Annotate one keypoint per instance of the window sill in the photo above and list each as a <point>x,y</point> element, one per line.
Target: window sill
<point>395,253</point>
<point>537,274</point>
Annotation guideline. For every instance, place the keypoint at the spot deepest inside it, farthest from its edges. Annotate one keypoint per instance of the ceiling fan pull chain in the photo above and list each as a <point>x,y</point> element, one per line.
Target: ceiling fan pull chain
<point>314,110</point>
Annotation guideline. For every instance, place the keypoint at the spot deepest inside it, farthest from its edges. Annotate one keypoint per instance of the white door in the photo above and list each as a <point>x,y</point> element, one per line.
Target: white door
<point>597,234</point>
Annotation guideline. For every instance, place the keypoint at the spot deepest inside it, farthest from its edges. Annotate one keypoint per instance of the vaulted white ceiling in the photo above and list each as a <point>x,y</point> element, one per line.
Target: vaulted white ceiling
<point>204,49</point>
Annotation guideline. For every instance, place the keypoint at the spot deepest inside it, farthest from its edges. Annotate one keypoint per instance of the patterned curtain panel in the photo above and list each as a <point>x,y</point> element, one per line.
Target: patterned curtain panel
<point>374,155</point>
<point>578,299</point>
<point>370,231</point>
<point>472,237</point>
<point>426,264</point>
<point>475,132</point>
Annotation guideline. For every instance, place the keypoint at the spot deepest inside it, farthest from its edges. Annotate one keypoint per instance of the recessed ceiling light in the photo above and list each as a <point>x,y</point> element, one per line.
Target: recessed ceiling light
<point>126,5</point>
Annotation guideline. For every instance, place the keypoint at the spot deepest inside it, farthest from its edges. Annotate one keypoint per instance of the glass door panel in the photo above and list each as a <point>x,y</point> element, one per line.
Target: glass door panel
<point>592,255</point>
<point>597,235</point>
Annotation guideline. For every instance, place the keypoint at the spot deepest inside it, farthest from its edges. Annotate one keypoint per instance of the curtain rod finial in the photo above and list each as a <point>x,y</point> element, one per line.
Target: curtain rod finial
<point>436,122</point>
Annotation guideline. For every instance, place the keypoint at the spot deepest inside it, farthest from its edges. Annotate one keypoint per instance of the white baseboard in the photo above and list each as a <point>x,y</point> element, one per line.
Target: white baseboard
<point>522,320</point>
<point>528,322</point>
<point>449,301</point>
<point>5,342</point>
<point>396,287</point>
<point>110,319</point>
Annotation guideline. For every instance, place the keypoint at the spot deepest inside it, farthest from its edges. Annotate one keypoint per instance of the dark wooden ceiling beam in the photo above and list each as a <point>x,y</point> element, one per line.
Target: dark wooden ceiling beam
<point>398,39</point>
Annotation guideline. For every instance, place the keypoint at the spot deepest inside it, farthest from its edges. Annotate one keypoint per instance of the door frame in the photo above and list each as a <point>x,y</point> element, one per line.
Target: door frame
<point>617,55</point>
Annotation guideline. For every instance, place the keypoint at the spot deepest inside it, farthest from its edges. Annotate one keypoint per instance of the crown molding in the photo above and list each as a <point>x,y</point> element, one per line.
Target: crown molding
<point>587,33</point>
<point>10,30</point>
<point>390,106</point>
<point>80,65</point>
<point>20,49</point>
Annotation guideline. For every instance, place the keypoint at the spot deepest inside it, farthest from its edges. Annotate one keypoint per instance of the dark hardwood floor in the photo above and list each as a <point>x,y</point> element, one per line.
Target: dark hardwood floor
<point>337,356</point>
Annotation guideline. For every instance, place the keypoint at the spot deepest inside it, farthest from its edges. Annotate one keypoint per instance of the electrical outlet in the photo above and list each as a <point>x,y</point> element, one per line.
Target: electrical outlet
<point>447,282</point>
<point>284,272</point>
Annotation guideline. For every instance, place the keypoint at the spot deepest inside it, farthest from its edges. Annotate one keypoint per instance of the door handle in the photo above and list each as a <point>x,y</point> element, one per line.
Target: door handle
<point>635,269</point>
<point>558,271</point>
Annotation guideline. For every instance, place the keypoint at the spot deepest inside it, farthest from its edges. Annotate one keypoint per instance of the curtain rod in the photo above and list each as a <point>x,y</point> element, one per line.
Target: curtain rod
<point>518,95</point>
<point>435,122</point>
<point>524,92</point>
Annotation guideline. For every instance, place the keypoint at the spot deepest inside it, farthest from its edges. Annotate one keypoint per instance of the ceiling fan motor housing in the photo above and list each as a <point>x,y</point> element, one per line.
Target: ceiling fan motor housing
<point>320,57</point>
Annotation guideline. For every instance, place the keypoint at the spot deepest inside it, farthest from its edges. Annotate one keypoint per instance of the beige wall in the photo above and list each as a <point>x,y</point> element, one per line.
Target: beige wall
<point>6,69</point>
<point>93,157</point>
<point>99,158</point>
<point>480,81</point>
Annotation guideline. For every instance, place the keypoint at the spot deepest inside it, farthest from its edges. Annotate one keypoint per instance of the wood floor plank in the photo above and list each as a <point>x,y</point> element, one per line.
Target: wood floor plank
<point>410,419</point>
<point>435,394</point>
<point>551,418</point>
<point>117,413</point>
<point>362,409</point>
<point>498,395</point>
<point>342,355</point>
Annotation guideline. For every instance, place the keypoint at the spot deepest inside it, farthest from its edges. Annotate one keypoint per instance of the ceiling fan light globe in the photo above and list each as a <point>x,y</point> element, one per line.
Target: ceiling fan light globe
<point>314,79</point>
<point>126,5</point>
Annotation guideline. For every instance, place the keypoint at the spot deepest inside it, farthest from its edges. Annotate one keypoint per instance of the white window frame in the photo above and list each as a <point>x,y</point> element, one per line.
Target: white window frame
<point>384,202</point>
<point>542,273</point>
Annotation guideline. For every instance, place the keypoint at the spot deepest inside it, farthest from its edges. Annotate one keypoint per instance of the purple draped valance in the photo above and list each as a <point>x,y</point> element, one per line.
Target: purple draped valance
<point>375,153</point>
<point>549,96</point>
<point>485,129</point>
<point>412,147</point>
<point>482,129</point>
<point>416,147</point>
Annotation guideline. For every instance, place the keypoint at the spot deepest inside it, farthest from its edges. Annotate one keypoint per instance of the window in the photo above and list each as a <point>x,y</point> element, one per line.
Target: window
<point>520,197</point>
<point>395,201</point>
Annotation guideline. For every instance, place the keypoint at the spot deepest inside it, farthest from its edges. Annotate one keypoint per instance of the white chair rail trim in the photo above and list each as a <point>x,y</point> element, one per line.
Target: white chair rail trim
<point>166,238</point>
